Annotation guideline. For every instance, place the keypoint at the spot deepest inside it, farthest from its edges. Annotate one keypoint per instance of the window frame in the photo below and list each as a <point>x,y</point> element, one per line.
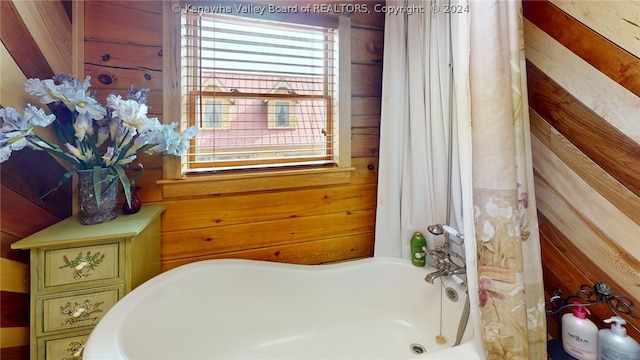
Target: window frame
<point>176,182</point>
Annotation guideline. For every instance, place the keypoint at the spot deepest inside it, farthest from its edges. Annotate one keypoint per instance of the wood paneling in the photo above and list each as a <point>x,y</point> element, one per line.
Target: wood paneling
<point>15,309</point>
<point>601,53</point>
<point>601,236</point>
<point>14,353</point>
<point>366,80</point>
<point>51,29</point>
<point>583,98</point>
<point>306,253</point>
<point>307,223</point>
<point>583,81</point>
<point>35,38</point>
<point>559,256</point>
<point>14,212</point>
<point>138,23</point>
<point>589,132</point>
<point>20,43</point>
<point>606,185</point>
<point>255,235</point>
<point>14,276</point>
<point>366,46</point>
<point>23,165</point>
<point>266,206</point>
<point>615,20</point>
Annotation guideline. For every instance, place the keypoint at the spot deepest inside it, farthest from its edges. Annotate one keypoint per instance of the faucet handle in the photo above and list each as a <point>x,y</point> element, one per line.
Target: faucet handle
<point>459,280</point>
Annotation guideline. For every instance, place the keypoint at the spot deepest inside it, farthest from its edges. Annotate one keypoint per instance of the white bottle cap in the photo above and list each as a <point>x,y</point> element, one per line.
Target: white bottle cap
<point>617,328</point>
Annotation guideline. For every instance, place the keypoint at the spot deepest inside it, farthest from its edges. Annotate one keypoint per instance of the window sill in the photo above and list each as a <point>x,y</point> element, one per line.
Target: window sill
<point>199,185</point>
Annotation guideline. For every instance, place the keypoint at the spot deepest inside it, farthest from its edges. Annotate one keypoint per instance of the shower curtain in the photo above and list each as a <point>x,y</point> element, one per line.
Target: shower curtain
<point>416,130</point>
<point>492,157</point>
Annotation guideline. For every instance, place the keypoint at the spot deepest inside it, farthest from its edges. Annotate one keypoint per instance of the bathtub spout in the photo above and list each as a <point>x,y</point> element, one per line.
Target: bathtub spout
<point>434,275</point>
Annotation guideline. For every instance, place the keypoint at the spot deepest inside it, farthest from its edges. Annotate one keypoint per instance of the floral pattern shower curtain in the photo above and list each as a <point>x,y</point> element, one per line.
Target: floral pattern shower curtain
<point>510,289</point>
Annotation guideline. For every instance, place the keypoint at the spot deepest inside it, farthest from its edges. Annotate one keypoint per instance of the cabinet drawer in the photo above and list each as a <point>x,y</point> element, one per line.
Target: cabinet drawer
<point>66,348</point>
<point>76,310</point>
<point>81,264</point>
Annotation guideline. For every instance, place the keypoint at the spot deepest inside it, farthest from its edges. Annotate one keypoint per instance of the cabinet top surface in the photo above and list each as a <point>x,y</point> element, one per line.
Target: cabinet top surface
<point>70,230</point>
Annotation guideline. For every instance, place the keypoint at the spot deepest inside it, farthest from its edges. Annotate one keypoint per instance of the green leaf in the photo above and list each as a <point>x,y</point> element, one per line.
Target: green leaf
<point>126,184</point>
<point>97,183</point>
<point>135,176</point>
<point>62,180</point>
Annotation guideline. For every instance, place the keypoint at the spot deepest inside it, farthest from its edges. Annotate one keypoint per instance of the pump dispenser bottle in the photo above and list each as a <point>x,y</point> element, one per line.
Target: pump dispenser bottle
<point>615,344</point>
<point>579,334</point>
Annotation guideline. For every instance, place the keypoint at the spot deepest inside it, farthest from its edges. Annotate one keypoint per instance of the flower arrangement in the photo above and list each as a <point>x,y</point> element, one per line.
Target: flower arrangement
<point>96,137</point>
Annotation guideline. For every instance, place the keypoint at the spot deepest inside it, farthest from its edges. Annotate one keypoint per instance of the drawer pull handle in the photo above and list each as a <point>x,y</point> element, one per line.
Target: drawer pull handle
<point>78,312</point>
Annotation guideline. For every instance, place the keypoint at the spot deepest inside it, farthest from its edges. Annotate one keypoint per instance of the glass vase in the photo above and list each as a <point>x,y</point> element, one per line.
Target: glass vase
<point>136,204</point>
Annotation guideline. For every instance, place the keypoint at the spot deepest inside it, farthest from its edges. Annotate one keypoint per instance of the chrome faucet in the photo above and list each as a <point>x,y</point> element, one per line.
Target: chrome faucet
<point>443,256</point>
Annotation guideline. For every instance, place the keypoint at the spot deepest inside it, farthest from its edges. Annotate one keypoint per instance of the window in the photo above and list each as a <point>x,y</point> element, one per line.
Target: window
<point>282,117</point>
<point>264,93</point>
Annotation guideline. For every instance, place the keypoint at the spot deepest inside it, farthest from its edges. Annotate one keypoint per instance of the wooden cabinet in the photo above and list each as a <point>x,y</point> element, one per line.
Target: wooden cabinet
<point>80,271</point>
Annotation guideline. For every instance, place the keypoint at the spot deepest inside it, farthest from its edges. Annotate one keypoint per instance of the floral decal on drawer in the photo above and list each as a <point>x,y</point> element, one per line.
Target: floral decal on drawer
<point>75,349</point>
<point>80,312</point>
<point>82,264</point>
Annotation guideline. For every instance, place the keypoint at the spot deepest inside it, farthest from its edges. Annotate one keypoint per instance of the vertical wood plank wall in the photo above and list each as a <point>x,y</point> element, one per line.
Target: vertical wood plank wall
<point>309,225</point>
<point>35,43</point>
<point>584,102</point>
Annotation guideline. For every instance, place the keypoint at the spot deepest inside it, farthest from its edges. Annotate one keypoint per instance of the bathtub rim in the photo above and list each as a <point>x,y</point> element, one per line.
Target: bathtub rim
<point>110,324</point>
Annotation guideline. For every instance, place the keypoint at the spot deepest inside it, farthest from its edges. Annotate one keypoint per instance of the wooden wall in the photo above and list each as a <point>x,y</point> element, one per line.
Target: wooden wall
<point>36,42</point>
<point>584,102</point>
<point>584,88</point>
<point>308,225</point>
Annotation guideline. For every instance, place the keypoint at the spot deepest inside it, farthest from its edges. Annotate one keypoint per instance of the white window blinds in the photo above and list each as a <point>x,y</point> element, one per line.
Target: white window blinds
<point>263,93</point>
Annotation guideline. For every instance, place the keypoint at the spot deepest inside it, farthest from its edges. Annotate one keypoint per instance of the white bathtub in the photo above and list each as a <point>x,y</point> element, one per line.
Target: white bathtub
<point>374,308</point>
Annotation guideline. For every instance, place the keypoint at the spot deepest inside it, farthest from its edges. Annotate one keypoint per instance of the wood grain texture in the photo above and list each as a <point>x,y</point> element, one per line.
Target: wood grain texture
<point>253,235</point>
<point>117,55</point>
<point>50,28</point>
<point>594,136</point>
<point>607,186</point>
<point>365,142</point>
<point>366,46</point>
<point>15,309</point>
<point>7,253</point>
<point>128,22</point>
<point>251,182</point>
<point>366,80</point>
<point>585,234</point>
<point>307,253</point>
<point>108,79</point>
<point>618,21</point>
<point>15,353</point>
<point>15,209</point>
<point>601,53</point>
<point>14,340</point>
<point>366,170</point>
<point>586,201</point>
<point>28,163</point>
<point>365,105</point>
<point>265,206</point>
<point>20,44</point>
<point>617,105</point>
<point>14,276</point>
<point>558,256</point>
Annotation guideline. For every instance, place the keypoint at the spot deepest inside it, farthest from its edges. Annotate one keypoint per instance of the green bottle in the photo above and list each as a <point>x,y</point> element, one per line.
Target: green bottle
<point>418,249</point>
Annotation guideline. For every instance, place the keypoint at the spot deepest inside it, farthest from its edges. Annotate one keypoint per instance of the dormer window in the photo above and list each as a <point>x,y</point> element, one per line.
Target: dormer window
<point>281,112</point>
<point>212,110</point>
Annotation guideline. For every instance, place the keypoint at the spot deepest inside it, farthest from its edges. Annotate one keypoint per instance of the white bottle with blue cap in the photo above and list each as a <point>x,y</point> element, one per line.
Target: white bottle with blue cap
<point>615,344</point>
